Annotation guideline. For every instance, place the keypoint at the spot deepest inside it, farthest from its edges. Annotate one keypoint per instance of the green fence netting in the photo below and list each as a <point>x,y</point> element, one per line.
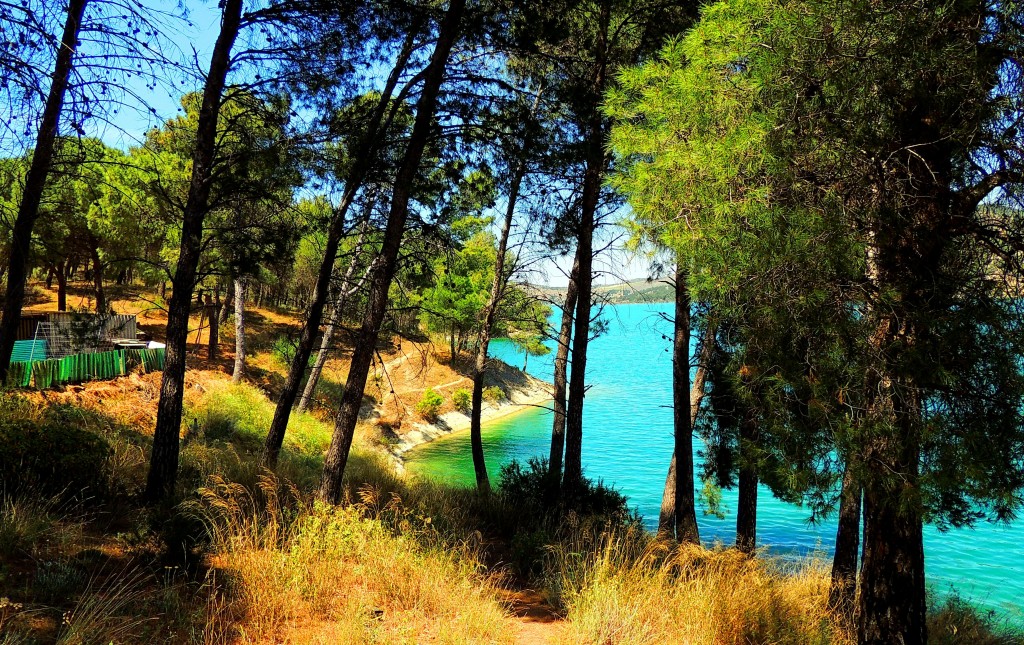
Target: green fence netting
<point>84,367</point>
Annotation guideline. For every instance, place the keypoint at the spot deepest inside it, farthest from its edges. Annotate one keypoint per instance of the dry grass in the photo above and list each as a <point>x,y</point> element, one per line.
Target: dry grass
<point>633,590</point>
<point>313,573</point>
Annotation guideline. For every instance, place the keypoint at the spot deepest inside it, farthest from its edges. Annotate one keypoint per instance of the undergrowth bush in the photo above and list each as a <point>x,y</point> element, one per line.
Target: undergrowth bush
<point>52,458</point>
<point>462,399</point>
<point>493,394</point>
<point>429,405</point>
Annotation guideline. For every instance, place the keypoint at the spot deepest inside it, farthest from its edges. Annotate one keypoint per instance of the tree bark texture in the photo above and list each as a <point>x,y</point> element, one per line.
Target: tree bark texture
<point>163,468</point>
<point>385,264</point>
<point>364,155</point>
<point>559,382</point>
<point>685,510</point>
<point>746,505</point>
<point>35,181</point>
<point>666,517</point>
<point>239,372</point>
<point>843,592</point>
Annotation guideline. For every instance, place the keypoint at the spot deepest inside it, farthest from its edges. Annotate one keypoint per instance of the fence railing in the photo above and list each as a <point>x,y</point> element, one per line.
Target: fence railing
<point>78,368</point>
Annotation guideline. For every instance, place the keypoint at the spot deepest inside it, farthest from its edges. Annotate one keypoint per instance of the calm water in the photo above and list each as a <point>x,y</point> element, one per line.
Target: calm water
<point>628,443</point>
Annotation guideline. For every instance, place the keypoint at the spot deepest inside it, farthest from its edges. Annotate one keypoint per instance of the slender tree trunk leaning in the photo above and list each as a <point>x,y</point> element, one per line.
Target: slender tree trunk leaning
<point>239,371</point>
<point>385,264</point>
<point>484,338</point>
<point>746,505</point>
<point>364,155</point>
<point>163,470</point>
<point>685,510</point>
<point>35,181</point>
<point>334,320</point>
<point>559,382</point>
<point>843,591</point>
<point>667,515</point>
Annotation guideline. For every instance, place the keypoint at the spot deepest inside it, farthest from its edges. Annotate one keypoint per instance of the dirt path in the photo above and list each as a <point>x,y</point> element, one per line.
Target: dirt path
<point>536,619</point>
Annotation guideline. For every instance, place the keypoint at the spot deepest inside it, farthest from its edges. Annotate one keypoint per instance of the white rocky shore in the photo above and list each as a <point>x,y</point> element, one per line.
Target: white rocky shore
<point>522,392</point>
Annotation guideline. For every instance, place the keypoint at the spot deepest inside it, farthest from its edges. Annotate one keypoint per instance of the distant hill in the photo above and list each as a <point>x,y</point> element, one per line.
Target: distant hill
<point>621,293</point>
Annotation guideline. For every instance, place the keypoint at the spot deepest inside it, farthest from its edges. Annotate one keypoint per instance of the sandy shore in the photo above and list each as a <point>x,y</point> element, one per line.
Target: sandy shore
<point>523,393</point>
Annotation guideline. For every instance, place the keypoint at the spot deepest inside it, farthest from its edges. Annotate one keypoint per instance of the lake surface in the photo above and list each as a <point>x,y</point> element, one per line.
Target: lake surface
<point>627,442</point>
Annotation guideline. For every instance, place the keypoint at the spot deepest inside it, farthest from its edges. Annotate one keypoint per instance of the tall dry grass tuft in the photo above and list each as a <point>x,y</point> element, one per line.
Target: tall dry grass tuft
<point>317,573</point>
<point>635,590</point>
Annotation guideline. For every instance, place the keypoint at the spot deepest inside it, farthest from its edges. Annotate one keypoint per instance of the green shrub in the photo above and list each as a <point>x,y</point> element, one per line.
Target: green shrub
<point>430,405</point>
<point>58,581</point>
<point>526,487</point>
<point>494,394</point>
<point>51,458</point>
<point>462,399</point>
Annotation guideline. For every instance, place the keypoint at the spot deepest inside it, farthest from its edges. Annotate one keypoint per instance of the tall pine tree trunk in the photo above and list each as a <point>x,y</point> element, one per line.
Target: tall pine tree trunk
<point>486,326</point>
<point>597,159</point>
<point>163,469</point>
<point>685,510</point>
<point>746,505</point>
<point>386,263</point>
<point>35,181</point>
<point>559,382</point>
<point>667,515</point>
<point>364,154</point>
<point>843,591</point>
<point>239,372</point>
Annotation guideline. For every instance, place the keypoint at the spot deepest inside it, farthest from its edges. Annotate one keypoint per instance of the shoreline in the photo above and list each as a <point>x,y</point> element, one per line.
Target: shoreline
<point>520,397</point>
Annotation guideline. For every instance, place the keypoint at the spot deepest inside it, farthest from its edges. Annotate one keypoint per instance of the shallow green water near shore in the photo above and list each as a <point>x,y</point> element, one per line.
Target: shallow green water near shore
<point>628,442</point>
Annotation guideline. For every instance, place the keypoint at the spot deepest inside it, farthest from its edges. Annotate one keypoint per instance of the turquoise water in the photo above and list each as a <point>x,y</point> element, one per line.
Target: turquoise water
<point>628,443</point>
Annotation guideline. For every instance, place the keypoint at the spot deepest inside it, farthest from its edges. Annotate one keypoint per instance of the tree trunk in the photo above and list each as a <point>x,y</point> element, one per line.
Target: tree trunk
<point>685,510</point>
<point>597,159</point>
<point>239,371</point>
<point>211,314</point>
<point>163,469</point>
<point>97,281</point>
<point>487,325</point>
<point>843,592</point>
<point>559,382</point>
<point>49,277</point>
<point>62,287</point>
<point>228,303</point>
<point>892,599</point>
<point>386,263</point>
<point>344,293</point>
<point>666,518</point>
<point>746,506</point>
<point>35,181</point>
<point>364,155</point>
